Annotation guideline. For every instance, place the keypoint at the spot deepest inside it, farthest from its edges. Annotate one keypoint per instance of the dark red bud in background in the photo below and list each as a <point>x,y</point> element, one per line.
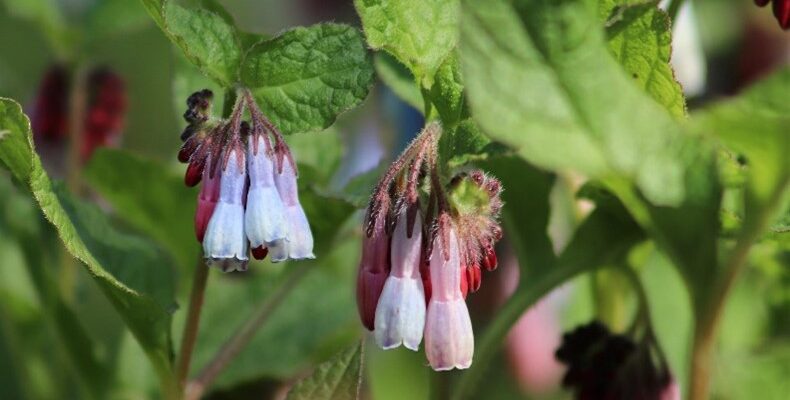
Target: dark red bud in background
<point>761,3</point>
<point>782,13</point>
<point>51,105</point>
<point>105,110</point>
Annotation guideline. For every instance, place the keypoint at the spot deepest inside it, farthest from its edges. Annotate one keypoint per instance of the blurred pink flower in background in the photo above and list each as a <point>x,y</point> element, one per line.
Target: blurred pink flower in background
<point>533,339</point>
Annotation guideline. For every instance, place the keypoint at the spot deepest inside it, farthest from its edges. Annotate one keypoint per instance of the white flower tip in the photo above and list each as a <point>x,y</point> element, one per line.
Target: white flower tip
<point>400,314</point>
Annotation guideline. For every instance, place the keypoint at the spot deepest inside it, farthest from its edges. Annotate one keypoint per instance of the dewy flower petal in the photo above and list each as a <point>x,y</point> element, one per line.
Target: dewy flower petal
<point>449,341</point>
<point>299,240</point>
<point>225,238</point>
<point>265,214</point>
<point>207,200</point>
<point>400,314</point>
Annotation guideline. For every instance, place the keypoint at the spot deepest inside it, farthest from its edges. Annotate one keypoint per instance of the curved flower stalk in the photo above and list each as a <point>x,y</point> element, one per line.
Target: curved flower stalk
<point>249,202</point>
<point>413,281</point>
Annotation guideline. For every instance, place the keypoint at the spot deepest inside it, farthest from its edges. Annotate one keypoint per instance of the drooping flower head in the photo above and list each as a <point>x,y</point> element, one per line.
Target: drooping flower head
<point>415,271</point>
<point>248,203</point>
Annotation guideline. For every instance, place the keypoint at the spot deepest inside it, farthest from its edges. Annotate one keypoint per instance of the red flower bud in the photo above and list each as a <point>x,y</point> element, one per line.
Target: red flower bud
<point>489,258</point>
<point>474,277</point>
<point>782,13</point>
<point>260,252</point>
<point>374,268</point>
<point>194,172</point>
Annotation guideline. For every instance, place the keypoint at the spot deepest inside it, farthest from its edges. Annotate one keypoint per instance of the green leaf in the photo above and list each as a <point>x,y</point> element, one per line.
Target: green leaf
<point>540,79</point>
<point>420,34</point>
<point>398,78</point>
<point>640,38</point>
<point>304,78</point>
<point>207,40</point>
<point>155,9</point>
<point>605,235</point>
<point>447,92</point>
<point>128,269</point>
<point>337,379</point>
<point>466,143</point>
<point>15,147</point>
<point>756,124</point>
<point>150,198</point>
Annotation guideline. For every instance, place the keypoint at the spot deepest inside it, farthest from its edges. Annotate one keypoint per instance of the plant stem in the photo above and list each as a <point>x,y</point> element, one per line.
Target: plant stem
<point>244,335</point>
<point>189,337</point>
<point>76,126</point>
<point>708,321</point>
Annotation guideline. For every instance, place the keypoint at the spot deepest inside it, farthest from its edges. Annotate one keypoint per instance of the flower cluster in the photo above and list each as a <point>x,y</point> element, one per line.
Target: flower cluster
<point>248,202</point>
<point>781,11</point>
<point>418,264</point>
<point>603,365</point>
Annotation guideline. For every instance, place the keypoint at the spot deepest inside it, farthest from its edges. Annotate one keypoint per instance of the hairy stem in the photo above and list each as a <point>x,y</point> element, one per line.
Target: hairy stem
<point>189,337</point>
<point>244,334</point>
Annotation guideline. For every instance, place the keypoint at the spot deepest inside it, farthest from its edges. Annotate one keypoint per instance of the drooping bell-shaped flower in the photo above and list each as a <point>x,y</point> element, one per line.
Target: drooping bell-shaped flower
<point>449,340</point>
<point>225,244</point>
<point>374,266</point>
<point>298,244</point>
<point>264,219</point>
<point>207,199</point>
<point>400,313</point>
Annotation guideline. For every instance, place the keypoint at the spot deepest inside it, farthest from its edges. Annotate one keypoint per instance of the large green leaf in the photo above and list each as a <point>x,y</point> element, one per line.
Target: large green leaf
<point>540,78</point>
<point>604,236</point>
<point>305,77</point>
<point>150,198</point>
<point>130,270</point>
<point>207,40</point>
<point>640,37</point>
<point>418,33</point>
<point>337,379</point>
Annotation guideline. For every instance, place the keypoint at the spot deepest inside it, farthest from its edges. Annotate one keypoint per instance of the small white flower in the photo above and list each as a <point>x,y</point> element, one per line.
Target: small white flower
<point>265,218</point>
<point>299,240</point>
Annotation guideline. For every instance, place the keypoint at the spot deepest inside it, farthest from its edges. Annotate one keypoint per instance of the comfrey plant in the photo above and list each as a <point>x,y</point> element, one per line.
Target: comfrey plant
<point>249,202</point>
<point>418,264</point>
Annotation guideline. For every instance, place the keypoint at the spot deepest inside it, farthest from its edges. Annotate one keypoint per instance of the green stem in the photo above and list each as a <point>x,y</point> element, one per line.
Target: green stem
<point>244,334</point>
<point>708,321</point>
<point>189,337</point>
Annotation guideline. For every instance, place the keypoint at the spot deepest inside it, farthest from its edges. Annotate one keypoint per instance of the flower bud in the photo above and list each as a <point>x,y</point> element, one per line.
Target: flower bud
<point>225,238</point>
<point>400,314</point>
<point>265,214</point>
<point>449,340</point>
<point>207,200</point>
<point>374,266</point>
<point>299,239</point>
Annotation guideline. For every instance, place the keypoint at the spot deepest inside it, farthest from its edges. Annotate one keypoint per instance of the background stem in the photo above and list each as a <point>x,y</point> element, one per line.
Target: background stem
<point>189,337</point>
<point>244,335</point>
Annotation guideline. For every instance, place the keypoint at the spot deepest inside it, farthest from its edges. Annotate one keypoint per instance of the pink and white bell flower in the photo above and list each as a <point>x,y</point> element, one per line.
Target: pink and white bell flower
<point>298,243</point>
<point>225,244</point>
<point>400,314</point>
<point>449,340</point>
<point>264,218</point>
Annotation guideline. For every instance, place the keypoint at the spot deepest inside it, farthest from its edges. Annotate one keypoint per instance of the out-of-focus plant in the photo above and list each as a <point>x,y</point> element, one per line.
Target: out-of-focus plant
<point>526,90</point>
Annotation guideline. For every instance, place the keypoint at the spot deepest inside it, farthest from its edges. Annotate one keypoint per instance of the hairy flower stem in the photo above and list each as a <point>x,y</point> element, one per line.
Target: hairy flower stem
<point>244,334</point>
<point>189,337</point>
